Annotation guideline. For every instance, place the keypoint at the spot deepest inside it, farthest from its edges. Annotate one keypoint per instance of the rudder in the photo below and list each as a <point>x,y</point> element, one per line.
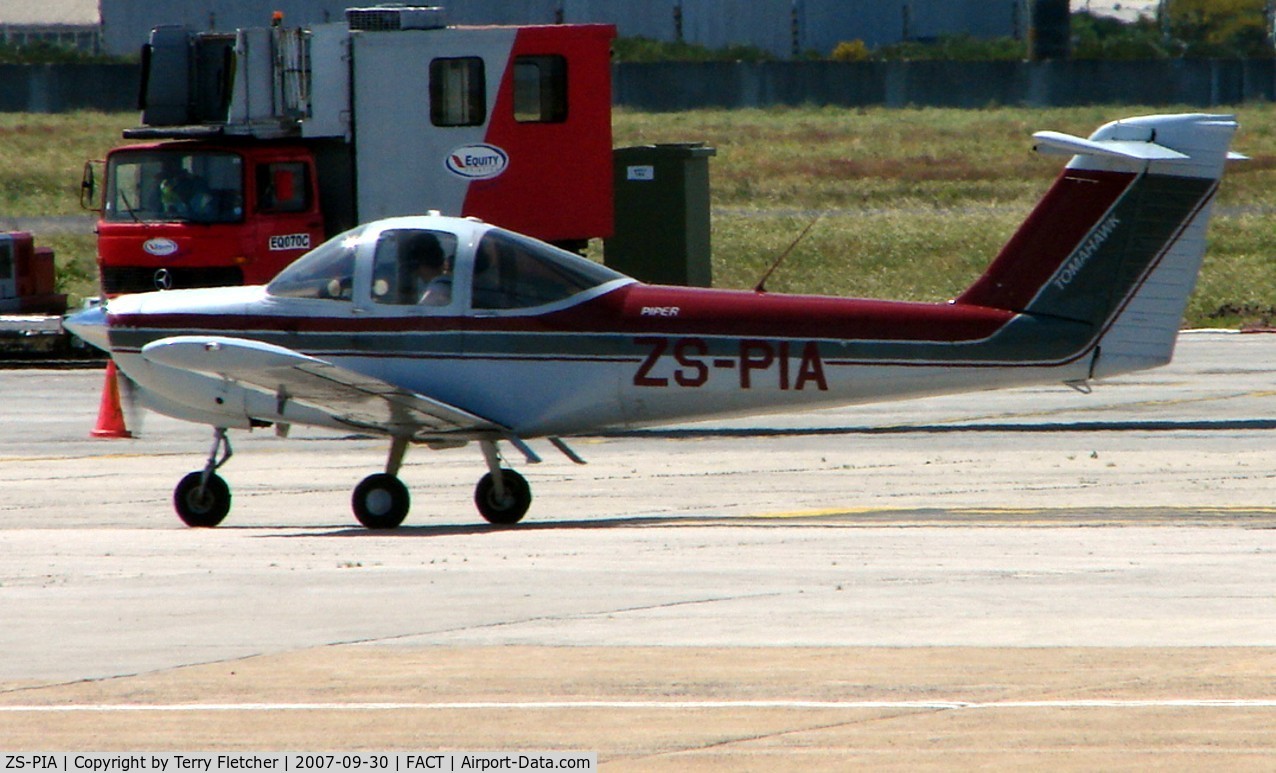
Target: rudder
<point>1118,241</point>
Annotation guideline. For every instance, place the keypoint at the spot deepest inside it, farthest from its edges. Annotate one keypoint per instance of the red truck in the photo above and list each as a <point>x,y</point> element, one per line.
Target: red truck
<point>260,144</point>
<point>30,310</point>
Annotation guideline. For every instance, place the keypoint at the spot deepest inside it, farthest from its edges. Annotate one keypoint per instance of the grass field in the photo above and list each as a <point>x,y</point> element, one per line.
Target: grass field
<point>919,200</point>
<point>916,201</point>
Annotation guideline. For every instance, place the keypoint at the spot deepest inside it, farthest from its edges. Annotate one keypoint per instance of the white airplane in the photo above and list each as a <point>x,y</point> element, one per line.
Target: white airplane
<point>441,331</point>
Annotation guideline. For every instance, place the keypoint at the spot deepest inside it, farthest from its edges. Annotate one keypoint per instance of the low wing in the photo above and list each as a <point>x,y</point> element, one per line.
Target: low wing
<point>343,395</point>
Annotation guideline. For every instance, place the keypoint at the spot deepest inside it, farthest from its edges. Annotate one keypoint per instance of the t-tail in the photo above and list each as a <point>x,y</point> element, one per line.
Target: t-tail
<point>1117,242</point>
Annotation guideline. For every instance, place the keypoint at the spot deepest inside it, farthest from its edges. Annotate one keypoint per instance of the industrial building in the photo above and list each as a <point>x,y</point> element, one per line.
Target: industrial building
<point>70,23</point>
<point>781,27</point>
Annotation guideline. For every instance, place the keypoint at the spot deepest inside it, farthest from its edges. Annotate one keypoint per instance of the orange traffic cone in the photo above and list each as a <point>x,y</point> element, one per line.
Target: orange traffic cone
<point>110,417</point>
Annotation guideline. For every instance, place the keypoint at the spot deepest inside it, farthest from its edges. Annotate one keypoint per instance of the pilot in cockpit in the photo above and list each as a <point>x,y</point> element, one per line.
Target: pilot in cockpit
<point>433,268</point>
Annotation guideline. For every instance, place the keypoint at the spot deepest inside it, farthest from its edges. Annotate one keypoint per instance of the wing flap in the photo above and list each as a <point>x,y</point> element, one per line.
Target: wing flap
<point>348,397</point>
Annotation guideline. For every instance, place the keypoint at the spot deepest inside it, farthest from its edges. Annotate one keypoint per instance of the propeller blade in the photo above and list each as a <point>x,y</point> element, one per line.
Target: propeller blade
<point>131,403</point>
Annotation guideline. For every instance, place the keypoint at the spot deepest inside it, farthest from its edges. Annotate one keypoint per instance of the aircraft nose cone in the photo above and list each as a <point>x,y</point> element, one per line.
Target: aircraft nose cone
<point>91,326</point>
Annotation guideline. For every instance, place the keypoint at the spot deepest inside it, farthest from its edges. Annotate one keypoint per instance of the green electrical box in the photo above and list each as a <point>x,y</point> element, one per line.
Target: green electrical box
<point>662,214</point>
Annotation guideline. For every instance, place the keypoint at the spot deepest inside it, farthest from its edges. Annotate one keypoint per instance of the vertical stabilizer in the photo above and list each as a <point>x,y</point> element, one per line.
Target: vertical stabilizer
<point>1118,240</point>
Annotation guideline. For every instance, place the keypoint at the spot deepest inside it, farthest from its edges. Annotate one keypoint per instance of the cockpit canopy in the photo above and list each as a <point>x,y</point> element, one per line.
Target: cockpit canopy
<point>326,272</point>
<point>440,265</point>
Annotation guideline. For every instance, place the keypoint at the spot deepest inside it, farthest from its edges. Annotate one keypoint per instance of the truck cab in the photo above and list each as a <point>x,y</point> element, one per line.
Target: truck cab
<point>195,214</point>
<point>263,143</point>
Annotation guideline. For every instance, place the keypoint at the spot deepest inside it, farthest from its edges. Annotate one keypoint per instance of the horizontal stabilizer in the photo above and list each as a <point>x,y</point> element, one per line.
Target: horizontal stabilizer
<point>1067,144</point>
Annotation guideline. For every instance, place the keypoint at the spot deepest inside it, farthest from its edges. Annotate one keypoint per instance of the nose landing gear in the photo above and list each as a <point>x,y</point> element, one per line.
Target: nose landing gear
<point>202,499</point>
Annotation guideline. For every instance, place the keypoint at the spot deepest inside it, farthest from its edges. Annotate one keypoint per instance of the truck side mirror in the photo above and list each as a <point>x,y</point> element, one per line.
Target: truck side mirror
<point>88,188</point>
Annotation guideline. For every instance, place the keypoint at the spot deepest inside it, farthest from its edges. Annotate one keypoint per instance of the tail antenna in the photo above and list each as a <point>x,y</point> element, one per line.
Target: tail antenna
<point>761,285</point>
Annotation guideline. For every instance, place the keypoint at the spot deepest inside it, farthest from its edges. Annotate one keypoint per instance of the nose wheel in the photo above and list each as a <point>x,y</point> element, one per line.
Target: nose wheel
<point>202,499</point>
<point>201,503</point>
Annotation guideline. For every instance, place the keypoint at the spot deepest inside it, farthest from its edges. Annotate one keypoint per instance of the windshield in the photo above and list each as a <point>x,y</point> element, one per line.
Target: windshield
<point>326,272</point>
<point>515,272</point>
<point>176,184</point>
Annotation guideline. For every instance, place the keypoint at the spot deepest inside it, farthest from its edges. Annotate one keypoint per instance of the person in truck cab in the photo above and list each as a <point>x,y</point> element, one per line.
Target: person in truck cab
<point>185,195</point>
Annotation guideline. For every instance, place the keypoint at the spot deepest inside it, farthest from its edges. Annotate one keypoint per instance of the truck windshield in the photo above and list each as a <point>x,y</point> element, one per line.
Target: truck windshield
<point>167,185</point>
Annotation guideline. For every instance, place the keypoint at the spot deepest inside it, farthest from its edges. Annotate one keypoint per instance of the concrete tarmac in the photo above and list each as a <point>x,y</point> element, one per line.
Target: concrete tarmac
<point>1030,577</point>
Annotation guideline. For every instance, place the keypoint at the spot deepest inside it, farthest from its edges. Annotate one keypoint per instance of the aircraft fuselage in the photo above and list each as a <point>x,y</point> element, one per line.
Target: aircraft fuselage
<point>630,356</point>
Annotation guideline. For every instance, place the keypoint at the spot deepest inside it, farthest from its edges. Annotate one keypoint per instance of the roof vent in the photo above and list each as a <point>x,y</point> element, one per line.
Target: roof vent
<point>396,17</point>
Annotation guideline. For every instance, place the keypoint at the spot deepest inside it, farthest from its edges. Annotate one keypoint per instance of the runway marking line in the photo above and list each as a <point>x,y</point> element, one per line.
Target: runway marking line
<point>946,705</point>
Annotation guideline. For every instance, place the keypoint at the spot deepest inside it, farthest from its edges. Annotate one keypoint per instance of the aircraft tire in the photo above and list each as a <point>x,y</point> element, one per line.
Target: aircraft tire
<point>201,506</point>
<point>381,501</point>
<point>517,500</point>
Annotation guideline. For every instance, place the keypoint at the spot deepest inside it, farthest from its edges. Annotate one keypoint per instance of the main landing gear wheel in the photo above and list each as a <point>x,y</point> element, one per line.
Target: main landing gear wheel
<point>199,502</point>
<point>381,501</point>
<point>506,509</point>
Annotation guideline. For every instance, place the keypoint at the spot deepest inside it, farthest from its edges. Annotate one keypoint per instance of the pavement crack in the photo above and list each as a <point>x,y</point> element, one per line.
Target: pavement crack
<point>726,743</point>
<point>533,619</point>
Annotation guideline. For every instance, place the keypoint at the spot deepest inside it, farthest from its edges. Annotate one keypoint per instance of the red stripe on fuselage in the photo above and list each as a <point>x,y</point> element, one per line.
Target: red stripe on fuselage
<point>677,310</point>
<point>1075,203</point>
<point>650,309</point>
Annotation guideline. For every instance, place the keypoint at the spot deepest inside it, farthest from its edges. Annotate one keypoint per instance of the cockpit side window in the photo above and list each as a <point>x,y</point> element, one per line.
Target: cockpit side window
<point>326,272</point>
<point>514,272</point>
<point>413,267</point>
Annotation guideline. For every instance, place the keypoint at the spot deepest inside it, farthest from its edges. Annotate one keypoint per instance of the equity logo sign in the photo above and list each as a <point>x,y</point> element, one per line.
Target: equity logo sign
<point>477,162</point>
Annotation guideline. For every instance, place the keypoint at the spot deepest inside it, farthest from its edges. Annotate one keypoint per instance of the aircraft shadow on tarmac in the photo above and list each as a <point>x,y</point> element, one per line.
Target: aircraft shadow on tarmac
<point>1190,425</point>
<point>548,524</point>
<point>634,522</point>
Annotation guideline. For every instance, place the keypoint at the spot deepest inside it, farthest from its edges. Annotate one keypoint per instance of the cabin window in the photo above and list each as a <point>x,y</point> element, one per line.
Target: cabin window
<point>413,267</point>
<point>324,273</point>
<point>516,272</point>
<point>283,187</point>
<point>458,92</point>
<point>540,89</point>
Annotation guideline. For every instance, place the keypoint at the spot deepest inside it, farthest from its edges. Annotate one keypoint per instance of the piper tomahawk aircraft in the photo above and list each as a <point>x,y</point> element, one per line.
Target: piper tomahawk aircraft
<point>441,331</point>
